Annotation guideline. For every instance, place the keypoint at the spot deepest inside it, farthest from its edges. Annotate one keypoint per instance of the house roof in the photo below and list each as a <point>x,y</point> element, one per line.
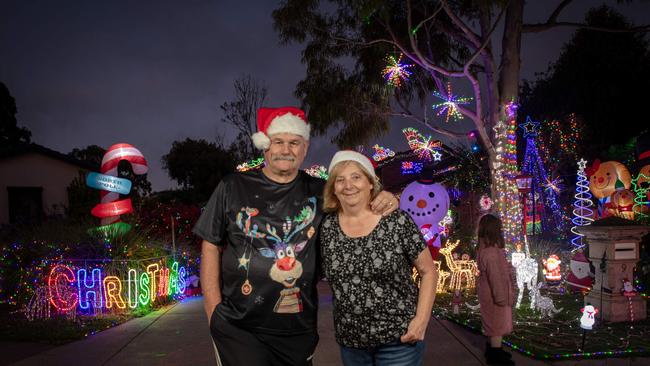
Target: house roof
<point>23,149</point>
<point>393,180</point>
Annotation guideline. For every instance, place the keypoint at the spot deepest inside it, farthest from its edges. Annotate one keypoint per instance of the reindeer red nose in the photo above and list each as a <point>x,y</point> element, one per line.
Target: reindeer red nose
<point>422,203</point>
<point>286,263</point>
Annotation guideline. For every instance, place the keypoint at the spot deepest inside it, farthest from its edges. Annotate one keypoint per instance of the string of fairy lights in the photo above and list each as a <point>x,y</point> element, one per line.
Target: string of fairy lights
<point>506,203</point>
<point>582,212</point>
<point>544,189</point>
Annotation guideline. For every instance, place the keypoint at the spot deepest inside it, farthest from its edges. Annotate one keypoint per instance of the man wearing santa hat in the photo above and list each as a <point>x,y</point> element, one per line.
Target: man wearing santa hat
<point>259,252</point>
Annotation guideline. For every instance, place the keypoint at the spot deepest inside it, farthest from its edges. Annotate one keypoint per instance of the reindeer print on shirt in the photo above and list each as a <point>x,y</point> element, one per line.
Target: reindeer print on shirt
<point>286,268</point>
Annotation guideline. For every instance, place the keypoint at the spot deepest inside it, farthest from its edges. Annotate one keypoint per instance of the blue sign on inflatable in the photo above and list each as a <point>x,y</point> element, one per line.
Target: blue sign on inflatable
<point>108,183</point>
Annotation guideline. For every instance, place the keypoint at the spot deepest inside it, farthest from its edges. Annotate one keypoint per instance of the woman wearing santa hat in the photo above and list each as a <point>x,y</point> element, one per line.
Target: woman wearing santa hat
<point>380,316</point>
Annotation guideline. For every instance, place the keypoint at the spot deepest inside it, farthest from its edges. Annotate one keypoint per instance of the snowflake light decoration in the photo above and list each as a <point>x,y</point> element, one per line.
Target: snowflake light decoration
<point>395,71</point>
<point>425,148</point>
<point>485,202</point>
<point>317,171</point>
<point>556,185</point>
<point>450,104</point>
<point>382,153</point>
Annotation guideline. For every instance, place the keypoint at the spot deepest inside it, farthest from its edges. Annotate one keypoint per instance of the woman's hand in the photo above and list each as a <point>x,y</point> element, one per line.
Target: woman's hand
<point>384,204</point>
<point>415,332</point>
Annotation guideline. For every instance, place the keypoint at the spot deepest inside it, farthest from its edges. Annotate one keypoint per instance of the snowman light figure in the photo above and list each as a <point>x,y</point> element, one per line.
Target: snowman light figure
<point>427,203</point>
<point>587,320</point>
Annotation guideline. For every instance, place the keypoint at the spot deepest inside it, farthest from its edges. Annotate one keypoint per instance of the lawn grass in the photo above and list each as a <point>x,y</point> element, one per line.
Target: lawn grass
<point>560,336</point>
<point>56,330</point>
<point>59,330</point>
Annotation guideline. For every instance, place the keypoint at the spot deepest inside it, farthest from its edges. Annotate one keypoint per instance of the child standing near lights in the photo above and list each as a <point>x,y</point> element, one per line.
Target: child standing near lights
<point>496,293</point>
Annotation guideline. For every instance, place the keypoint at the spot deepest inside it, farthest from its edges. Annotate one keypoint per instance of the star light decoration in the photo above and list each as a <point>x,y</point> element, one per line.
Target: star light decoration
<point>382,153</point>
<point>450,104</point>
<point>395,71</point>
<point>425,148</point>
<point>529,127</point>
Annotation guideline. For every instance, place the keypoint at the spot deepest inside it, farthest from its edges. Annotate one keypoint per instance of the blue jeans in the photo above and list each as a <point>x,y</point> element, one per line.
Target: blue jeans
<point>390,354</point>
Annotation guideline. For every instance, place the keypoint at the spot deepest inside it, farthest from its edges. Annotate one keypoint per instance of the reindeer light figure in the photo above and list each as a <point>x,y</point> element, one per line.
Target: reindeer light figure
<point>544,303</point>
<point>442,277</point>
<point>526,270</point>
<point>459,268</point>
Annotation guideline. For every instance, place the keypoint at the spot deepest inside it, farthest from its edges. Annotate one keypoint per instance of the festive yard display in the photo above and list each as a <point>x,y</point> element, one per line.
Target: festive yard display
<point>614,250</point>
<point>641,182</point>
<point>588,319</point>
<point>250,165</point>
<point>621,204</point>
<point>543,304</point>
<point>396,71</point>
<point>93,287</point>
<point>449,107</point>
<point>411,167</point>
<point>382,153</point>
<point>582,212</point>
<point>111,206</point>
<point>426,148</point>
<point>505,169</point>
<point>317,171</point>
<point>427,203</point>
<point>543,202</point>
<point>604,179</point>
<point>580,277</point>
<point>526,274</point>
<point>552,270</point>
<point>463,271</point>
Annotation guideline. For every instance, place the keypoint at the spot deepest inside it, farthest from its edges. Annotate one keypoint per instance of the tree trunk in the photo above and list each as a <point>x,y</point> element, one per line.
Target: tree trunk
<point>510,52</point>
<point>504,162</point>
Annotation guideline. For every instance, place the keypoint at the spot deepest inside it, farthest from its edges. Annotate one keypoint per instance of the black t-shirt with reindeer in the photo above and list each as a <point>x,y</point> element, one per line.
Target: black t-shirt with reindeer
<point>268,233</point>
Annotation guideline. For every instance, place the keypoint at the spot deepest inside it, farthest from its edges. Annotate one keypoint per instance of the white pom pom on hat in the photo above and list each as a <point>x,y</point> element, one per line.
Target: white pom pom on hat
<point>278,120</point>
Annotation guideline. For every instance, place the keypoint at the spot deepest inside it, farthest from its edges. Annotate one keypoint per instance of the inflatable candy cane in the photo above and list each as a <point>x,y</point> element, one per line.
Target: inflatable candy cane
<point>111,207</point>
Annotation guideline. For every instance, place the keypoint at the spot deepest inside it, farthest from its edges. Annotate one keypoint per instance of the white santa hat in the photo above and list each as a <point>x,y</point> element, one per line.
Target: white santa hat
<point>349,155</point>
<point>278,120</point>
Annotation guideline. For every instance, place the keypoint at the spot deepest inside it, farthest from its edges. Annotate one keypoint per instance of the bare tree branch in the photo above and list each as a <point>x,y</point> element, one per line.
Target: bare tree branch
<point>553,17</point>
<point>540,27</point>
<point>552,22</point>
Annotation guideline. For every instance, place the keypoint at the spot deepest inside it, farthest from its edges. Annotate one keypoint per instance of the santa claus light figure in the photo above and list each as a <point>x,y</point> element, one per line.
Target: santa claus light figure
<point>552,268</point>
<point>580,277</point>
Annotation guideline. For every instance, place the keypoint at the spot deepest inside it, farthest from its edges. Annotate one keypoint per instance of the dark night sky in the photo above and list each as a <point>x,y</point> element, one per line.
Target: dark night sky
<point>151,72</point>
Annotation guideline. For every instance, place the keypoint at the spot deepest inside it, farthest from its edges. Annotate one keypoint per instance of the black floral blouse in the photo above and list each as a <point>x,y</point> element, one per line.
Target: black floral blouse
<point>374,296</point>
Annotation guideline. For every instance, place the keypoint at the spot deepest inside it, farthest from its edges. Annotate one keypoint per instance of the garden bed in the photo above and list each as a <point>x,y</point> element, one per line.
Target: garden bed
<point>560,336</point>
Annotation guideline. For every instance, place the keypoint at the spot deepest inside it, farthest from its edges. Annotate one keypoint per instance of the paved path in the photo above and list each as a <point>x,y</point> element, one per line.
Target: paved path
<point>178,335</point>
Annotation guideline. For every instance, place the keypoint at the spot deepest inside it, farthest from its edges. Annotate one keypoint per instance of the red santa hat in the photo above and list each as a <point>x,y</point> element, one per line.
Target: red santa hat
<point>278,120</point>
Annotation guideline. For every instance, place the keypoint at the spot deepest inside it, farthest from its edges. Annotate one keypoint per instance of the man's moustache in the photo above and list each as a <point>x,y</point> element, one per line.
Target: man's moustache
<point>287,158</point>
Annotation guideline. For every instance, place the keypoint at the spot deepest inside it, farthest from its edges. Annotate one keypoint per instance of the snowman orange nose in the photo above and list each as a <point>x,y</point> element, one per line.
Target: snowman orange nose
<point>422,203</point>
